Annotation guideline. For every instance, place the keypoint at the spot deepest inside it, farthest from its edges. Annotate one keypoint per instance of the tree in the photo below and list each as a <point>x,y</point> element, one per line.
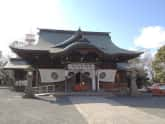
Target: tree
<point>147,59</point>
<point>159,65</point>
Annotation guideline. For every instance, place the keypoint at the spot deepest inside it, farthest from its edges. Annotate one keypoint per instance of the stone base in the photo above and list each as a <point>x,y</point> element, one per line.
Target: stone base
<point>28,93</point>
<point>29,96</point>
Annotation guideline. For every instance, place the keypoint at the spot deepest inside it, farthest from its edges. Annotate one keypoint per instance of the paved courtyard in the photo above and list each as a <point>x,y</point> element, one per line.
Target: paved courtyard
<point>121,110</point>
<point>152,105</point>
<point>16,110</point>
<point>80,109</point>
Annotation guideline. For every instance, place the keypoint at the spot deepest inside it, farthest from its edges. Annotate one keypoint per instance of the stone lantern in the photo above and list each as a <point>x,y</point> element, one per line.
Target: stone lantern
<point>133,86</point>
<point>28,90</point>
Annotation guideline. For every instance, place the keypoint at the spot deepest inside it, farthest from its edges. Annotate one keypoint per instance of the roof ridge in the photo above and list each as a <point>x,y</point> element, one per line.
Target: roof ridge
<point>72,31</point>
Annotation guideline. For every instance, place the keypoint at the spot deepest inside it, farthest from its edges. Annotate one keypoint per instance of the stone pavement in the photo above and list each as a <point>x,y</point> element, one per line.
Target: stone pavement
<point>98,110</point>
<point>80,109</point>
<point>16,110</point>
<point>150,104</point>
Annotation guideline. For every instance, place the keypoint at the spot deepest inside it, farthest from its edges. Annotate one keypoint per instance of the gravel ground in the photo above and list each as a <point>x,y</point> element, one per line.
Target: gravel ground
<point>16,110</point>
<point>150,104</point>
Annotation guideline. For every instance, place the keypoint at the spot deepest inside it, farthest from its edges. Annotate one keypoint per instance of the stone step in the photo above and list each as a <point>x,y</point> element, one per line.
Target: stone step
<point>79,94</point>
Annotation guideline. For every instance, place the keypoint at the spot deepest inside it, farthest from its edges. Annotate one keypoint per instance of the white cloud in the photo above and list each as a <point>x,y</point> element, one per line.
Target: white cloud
<point>19,17</point>
<point>150,37</point>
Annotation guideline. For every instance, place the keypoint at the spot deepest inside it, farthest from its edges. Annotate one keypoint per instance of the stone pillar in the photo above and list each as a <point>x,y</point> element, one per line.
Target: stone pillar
<point>28,90</point>
<point>37,78</point>
<point>133,87</point>
<point>66,75</point>
<point>11,78</point>
<point>93,81</point>
<point>98,83</point>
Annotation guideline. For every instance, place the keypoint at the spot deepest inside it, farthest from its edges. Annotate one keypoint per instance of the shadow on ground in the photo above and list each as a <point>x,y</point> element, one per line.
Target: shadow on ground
<point>140,101</point>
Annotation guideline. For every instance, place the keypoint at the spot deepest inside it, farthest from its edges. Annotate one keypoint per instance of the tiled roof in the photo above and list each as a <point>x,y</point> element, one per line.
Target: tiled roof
<point>59,40</point>
<point>16,63</point>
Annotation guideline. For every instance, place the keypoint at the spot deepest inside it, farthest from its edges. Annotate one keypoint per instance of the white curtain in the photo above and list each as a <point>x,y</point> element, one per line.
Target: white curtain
<point>109,75</point>
<point>46,75</point>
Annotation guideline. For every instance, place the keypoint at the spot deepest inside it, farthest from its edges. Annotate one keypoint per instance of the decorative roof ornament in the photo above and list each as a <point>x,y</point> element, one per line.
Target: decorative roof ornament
<point>76,37</point>
<point>78,34</point>
<point>79,30</point>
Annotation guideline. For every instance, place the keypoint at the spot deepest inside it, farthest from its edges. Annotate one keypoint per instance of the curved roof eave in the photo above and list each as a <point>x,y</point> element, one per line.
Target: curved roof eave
<point>73,45</point>
<point>16,50</point>
<point>56,50</point>
<point>80,44</point>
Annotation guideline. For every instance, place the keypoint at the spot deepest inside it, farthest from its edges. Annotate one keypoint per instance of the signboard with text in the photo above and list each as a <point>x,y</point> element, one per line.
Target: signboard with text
<point>81,66</point>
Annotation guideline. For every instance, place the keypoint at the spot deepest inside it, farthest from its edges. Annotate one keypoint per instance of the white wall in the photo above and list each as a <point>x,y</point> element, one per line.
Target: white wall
<point>46,75</point>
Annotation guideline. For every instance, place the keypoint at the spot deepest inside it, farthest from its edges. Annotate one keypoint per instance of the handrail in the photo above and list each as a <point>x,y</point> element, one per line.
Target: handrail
<point>44,89</point>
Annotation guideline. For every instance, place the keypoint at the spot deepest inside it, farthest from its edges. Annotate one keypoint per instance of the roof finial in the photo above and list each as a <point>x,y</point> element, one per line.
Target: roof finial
<point>79,33</point>
<point>79,29</point>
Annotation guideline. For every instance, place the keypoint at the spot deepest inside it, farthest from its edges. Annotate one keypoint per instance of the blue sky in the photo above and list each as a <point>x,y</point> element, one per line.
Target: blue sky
<point>123,18</point>
<point>132,23</point>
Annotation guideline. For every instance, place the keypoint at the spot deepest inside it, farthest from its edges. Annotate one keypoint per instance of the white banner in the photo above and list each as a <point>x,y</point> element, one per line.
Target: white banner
<point>106,75</point>
<point>52,75</point>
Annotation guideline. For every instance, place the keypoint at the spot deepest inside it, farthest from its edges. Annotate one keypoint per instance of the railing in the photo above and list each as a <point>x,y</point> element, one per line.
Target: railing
<point>18,44</point>
<point>44,89</point>
<point>113,86</point>
<point>21,83</point>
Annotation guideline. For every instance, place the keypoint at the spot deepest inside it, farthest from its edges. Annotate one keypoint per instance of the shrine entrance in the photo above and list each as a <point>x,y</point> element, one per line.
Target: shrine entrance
<point>81,77</point>
<point>78,78</point>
